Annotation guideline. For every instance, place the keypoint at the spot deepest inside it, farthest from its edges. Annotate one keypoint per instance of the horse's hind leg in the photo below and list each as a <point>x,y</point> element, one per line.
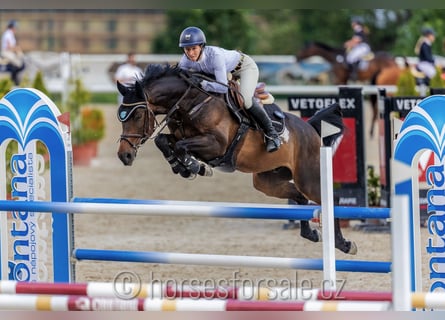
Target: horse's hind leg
<point>276,184</point>
<point>306,231</point>
<point>373,98</point>
<point>341,243</point>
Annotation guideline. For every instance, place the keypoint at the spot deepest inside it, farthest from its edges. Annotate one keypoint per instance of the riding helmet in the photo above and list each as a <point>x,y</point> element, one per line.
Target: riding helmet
<point>191,36</point>
<point>427,31</point>
<point>358,19</point>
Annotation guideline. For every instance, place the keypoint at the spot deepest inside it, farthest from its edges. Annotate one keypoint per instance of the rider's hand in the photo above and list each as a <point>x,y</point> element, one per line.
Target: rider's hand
<point>195,81</point>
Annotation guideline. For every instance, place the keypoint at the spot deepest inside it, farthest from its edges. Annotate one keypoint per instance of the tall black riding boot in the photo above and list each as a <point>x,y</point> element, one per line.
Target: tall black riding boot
<point>273,141</point>
<point>353,70</point>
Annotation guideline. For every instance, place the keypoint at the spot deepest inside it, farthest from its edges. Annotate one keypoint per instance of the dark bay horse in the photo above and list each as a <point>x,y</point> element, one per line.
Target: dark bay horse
<point>203,134</point>
<point>381,69</point>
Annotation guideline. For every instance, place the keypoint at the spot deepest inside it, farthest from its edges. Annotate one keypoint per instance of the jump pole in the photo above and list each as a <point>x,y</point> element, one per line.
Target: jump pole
<point>190,209</point>
<point>227,260</point>
<point>327,207</point>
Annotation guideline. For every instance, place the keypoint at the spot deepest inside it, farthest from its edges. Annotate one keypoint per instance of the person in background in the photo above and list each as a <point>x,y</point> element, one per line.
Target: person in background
<point>128,72</point>
<point>198,57</point>
<point>11,53</point>
<point>357,46</point>
<point>424,52</point>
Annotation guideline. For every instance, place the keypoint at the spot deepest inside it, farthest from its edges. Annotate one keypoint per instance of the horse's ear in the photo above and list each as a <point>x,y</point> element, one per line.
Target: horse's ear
<point>122,89</point>
<point>139,89</point>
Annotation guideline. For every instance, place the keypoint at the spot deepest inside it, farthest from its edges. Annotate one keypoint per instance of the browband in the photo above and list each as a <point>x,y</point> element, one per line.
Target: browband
<point>125,110</point>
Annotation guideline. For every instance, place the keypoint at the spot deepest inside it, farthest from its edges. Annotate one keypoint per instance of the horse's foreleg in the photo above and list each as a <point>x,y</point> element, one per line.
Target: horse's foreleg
<point>165,143</point>
<point>195,151</point>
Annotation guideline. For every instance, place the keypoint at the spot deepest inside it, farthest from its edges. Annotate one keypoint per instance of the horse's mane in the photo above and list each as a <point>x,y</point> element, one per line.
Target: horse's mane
<point>326,47</point>
<point>156,71</point>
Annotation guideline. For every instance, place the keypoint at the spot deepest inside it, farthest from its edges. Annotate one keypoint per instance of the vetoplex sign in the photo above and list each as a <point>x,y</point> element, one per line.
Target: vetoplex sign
<point>424,129</point>
<point>31,242</point>
<point>349,160</point>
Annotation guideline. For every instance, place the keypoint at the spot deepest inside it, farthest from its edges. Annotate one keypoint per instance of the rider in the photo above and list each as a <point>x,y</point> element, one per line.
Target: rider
<point>357,46</point>
<point>425,53</point>
<point>219,62</point>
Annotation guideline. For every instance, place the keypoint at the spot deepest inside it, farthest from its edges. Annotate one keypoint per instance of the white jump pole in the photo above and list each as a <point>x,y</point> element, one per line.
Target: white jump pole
<point>401,266</point>
<point>327,208</point>
<point>400,238</point>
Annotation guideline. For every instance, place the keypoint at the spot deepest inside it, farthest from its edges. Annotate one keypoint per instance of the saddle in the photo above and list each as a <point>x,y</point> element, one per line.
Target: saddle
<point>235,104</point>
<point>260,93</point>
<point>416,72</point>
<point>368,57</point>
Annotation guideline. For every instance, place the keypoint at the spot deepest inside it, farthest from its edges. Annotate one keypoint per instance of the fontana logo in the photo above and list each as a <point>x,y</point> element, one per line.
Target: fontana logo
<point>28,116</point>
<point>422,130</point>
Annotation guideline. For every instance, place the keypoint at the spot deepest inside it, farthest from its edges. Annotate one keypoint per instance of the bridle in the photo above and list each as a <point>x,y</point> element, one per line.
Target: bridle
<point>124,115</point>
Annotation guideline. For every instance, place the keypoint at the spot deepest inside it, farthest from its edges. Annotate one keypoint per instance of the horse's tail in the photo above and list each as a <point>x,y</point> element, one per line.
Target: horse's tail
<point>332,115</point>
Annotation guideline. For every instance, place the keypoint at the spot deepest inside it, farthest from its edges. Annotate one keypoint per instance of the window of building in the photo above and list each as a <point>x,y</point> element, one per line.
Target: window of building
<point>112,25</point>
<point>85,26</point>
<point>112,43</point>
<point>51,43</point>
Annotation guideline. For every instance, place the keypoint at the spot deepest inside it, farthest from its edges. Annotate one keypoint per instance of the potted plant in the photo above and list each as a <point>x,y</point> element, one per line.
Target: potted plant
<point>92,128</point>
<point>87,124</point>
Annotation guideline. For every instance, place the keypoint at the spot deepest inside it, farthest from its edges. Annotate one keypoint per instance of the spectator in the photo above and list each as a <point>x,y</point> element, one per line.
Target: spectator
<point>128,72</point>
<point>11,52</point>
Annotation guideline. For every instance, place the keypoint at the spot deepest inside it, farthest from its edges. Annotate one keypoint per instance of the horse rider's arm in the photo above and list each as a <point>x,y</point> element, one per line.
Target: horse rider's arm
<point>220,73</point>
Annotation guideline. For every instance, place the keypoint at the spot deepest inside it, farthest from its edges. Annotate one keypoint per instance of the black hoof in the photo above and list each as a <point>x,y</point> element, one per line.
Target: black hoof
<point>205,170</point>
<point>348,247</point>
<point>311,235</point>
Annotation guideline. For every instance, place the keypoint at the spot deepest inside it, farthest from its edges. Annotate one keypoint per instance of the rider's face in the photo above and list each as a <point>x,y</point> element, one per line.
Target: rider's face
<point>193,52</point>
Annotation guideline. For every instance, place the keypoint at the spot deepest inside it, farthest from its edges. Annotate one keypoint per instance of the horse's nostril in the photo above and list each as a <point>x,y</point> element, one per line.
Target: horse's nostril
<point>127,158</point>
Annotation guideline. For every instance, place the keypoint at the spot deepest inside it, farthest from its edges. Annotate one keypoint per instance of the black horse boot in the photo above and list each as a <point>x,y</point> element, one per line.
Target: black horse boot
<point>273,141</point>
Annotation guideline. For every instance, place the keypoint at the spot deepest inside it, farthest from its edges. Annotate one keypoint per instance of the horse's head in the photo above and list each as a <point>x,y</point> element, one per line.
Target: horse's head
<point>137,121</point>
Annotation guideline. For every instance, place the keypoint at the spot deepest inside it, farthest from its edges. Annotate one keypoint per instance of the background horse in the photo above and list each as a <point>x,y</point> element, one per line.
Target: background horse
<point>381,70</point>
<point>203,131</point>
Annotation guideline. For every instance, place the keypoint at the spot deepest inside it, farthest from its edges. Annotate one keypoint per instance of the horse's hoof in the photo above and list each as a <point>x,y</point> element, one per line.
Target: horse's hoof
<point>313,235</point>
<point>205,170</point>
<point>187,174</point>
<point>192,176</point>
<point>348,247</point>
<point>353,249</point>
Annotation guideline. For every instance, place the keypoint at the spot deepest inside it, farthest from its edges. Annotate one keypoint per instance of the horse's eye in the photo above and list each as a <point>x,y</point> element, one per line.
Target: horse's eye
<point>138,115</point>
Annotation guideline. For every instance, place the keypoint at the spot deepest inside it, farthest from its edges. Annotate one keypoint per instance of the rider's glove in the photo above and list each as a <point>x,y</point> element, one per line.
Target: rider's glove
<point>195,81</point>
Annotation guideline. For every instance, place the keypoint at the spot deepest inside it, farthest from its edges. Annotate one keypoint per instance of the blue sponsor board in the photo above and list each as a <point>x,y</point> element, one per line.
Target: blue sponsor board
<point>28,252</point>
<point>398,107</point>
<point>424,129</point>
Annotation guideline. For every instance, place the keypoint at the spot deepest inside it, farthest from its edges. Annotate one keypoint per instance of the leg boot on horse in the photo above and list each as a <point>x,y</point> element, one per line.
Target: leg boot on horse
<point>273,141</point>
<point>186,165</point>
